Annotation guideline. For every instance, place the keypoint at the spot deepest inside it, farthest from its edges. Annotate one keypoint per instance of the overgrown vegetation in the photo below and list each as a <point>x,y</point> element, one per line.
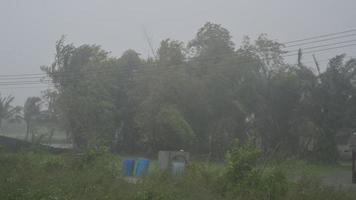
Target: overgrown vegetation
<point>96,175</point>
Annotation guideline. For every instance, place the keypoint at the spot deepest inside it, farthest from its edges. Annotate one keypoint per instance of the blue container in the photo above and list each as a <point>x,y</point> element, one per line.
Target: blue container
<point>128,167</point>
<point>142,167</point>
<point>178,168</point>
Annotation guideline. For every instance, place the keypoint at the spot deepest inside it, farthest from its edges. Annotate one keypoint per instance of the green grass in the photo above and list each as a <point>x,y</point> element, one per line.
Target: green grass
<point>300,166</point>
<point>97,175</point>
<point>338,174</point>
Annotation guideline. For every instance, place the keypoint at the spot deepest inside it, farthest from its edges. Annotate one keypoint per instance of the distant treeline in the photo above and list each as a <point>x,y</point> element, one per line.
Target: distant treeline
<point>201,96</point>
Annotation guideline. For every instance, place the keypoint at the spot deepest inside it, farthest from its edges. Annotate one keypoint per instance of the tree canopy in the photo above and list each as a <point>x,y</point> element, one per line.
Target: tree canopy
<point>202,96</point>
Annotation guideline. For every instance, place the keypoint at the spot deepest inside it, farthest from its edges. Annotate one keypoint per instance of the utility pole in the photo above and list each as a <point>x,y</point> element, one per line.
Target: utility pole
<point>316,64</point>
<point>299,57</point>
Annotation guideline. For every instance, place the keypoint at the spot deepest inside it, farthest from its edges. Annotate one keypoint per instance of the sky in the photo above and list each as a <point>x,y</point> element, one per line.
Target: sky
<point>30,28</point>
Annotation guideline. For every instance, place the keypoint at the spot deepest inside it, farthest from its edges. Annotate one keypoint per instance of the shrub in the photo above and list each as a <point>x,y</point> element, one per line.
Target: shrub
<point>244,179</point>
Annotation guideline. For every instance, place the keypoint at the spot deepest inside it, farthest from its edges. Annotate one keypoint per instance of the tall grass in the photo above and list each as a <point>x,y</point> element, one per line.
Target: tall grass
<point>97,175</point>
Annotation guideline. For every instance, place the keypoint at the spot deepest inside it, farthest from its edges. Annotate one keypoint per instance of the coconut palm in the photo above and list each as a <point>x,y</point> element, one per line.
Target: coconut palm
<point>7,111</point>
<point>31,113</point>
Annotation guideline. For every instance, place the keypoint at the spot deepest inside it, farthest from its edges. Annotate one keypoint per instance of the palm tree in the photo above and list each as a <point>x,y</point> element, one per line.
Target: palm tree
<point>7,111</point>
<point>31,112</point>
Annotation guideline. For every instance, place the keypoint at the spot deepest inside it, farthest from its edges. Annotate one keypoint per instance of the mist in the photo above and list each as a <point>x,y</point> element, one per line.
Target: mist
<point>172,100</point>
<point>29,29</point>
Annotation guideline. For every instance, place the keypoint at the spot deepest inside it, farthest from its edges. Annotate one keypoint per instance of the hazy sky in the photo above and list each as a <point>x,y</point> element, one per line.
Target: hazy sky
<point>29,28</point>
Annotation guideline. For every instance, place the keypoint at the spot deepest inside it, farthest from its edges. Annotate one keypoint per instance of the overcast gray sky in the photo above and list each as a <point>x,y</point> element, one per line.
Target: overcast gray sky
<point>29,28</point>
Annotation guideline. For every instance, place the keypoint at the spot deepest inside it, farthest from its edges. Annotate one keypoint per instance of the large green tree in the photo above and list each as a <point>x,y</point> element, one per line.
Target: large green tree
<point>212,42</point>
<point>82,96</point>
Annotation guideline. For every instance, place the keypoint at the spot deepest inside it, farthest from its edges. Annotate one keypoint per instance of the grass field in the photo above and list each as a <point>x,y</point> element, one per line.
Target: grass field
<point>97,175</point>
<point>338,174</point>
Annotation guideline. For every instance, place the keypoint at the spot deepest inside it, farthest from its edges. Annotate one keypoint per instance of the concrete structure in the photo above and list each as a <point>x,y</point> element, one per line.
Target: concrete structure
<point>165,158</point>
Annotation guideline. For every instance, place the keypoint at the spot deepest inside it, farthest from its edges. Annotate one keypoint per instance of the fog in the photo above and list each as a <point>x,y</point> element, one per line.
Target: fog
<point>29,29</point>
<point>183,99</point>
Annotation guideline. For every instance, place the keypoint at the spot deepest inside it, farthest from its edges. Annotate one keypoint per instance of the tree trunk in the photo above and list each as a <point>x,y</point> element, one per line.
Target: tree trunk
<point>51,136</point>
<point>68,136</point>
<point>27,130</point>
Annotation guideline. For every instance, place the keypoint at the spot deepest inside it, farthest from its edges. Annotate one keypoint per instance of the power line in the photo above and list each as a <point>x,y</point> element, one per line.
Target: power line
<point>324,60</point>
<point>28,83</point>
<point>320,50</point>
<point>326,45</point>
<point>20,76</point>
<point>25,87</point>
<point>112,78</point>
<point>70,77</point>
<point>16,75</point>
<point>26,77</point>
<point>323,40</point>
<point>320,36</point>
<point>96,71</point>
<point>51,85</point>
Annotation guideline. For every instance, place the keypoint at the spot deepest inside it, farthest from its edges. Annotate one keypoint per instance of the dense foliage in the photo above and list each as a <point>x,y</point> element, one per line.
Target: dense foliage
<point>201,97</point>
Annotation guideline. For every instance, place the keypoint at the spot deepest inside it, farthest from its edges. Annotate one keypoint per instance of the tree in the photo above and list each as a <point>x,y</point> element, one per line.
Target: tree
<point>122,82</point>
<point>216,95</point>
<point>268,51</point>
<point>212,41</point>
<point>167,130</point>
<point>7,110</point>
<point>335,99</point>
<point>131,60</point>
<point>171,52</point>
<point>82,94</point>
<point>31,112</point>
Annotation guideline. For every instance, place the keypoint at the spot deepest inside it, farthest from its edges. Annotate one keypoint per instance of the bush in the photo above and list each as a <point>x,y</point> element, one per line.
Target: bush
<point>244,179</point>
